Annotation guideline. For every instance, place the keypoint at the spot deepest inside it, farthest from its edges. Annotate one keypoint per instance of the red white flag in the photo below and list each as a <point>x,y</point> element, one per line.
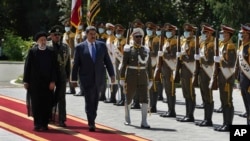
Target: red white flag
<point>76,12</point>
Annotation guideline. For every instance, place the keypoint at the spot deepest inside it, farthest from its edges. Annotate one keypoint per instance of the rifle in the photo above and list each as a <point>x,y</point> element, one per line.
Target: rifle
<point>157,73</point>
<point>214,82</point>
<point>236,68</point>
<point>129,31</point>
<point>178,64</point>
<point>197,62</point>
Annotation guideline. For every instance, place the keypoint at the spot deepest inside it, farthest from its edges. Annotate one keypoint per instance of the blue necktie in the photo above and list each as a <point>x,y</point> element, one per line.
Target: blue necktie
<point>93,52</point>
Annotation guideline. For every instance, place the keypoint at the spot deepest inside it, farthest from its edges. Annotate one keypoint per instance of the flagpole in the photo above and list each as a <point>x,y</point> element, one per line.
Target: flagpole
<point>88,4</point>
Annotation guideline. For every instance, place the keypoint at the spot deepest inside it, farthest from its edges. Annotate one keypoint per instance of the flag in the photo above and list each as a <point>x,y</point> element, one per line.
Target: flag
<point>76,13</point>
<point>94,9</point>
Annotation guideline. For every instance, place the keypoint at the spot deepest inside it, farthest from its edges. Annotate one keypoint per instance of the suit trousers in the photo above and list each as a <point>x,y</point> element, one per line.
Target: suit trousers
<point>91,103</point>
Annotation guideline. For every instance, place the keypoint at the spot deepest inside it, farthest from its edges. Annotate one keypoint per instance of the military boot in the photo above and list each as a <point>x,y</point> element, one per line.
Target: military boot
<point>127,114</point>
<point>171,107</point>
<point>208,115</point>
<point>153,101</point>
<point>228,114</point>
<point>144,112</point>
<point>190,116</point>
<point>187,111</point>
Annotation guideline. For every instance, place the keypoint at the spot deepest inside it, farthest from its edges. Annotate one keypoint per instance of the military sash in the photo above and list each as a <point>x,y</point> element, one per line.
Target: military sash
<point>171,63</point>
<point>245,68</point>
<point>227,72</point>
<point>208,70</point>
<point>189,65</point>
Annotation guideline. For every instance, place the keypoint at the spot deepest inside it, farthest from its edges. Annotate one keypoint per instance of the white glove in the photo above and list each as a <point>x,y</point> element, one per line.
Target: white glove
<point>197,57</point>
<point>178,54</point>
<point>126,46</point>
<point>122,82</point>
<point>217,59</point>
<point>150,83</point>
<point>160,53</point>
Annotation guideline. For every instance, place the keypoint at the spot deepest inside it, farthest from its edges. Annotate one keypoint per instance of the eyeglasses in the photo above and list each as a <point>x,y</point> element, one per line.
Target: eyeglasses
<point>138,36</point>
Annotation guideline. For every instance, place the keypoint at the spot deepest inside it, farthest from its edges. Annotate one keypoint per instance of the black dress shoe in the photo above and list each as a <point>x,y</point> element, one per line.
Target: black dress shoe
<point>168,114</point>
<point>204,123</point>
<point>186,119</point>
<point>218,110</point>
<point>120,103</point>
<point>78,94</point>
<point>110,101</point>
<point>223,128</point>
<point>91,128</point>
<point>145,126</point>
<point>243,115</point>
<point>199,106</point>
<point>153,110</point>
<point>136,106</point>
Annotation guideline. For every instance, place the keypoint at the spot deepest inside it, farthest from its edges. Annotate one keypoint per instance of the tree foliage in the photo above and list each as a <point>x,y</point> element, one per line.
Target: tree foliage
<point>26,17</point>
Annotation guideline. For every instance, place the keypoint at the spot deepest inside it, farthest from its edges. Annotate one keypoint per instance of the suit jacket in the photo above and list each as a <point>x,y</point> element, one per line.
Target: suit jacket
<point>91,73</point>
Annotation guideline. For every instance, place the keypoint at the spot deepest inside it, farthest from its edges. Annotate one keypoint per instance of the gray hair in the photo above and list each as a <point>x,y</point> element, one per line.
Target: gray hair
<point>90,28</point>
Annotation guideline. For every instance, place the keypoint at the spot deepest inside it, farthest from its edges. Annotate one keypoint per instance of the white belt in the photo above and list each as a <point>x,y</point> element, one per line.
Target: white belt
<point>137,68</point>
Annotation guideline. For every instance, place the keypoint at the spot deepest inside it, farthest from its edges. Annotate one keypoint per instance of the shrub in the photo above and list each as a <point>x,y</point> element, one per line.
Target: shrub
<point>14,47</point>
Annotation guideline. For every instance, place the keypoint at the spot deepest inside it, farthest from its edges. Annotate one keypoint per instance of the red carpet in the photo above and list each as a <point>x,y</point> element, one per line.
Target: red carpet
<point>13,117</point>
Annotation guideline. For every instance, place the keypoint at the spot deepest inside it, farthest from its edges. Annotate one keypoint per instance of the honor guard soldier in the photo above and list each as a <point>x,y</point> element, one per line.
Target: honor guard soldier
<point>80,37</point>
<point>137,23</point>
<point>244,115</point>
<point>168,67</point>
<point>157,39</point>
<point>187,70</point>
<point>136,75</point>
<point>243,68</point>
<point>102,35</point>
<point>63,71</point>
<point>110,28</point>
<point>119,43</point>
<point>205,72</point>
<point>153,45</point>
<point>80,34</point>
<point>226,77</point>
<point>68,38</point>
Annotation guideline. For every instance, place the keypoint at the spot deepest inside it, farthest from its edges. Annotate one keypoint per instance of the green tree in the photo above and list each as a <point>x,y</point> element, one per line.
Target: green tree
<point>231,12</point>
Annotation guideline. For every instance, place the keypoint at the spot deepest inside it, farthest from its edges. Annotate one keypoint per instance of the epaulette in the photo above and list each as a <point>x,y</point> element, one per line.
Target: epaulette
<point>156,39</point>
<point>230,46</point>
<point>126,48</point>
<point>210,45</point>
<point>173,41</point>
<point>192,44</point>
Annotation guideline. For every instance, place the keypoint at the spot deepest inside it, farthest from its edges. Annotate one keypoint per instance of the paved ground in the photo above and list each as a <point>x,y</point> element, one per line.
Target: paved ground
<point>162,129</point>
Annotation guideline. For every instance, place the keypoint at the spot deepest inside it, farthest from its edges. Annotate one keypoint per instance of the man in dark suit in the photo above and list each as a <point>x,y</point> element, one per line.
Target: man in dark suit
<point>90,60</point>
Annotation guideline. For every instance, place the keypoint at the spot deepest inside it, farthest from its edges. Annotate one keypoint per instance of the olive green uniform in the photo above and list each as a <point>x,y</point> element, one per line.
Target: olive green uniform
<point>205,73</point>
<point>168,66</point>
<point>226,82</point>
<point>187,71</point>
<point>63,74</point>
